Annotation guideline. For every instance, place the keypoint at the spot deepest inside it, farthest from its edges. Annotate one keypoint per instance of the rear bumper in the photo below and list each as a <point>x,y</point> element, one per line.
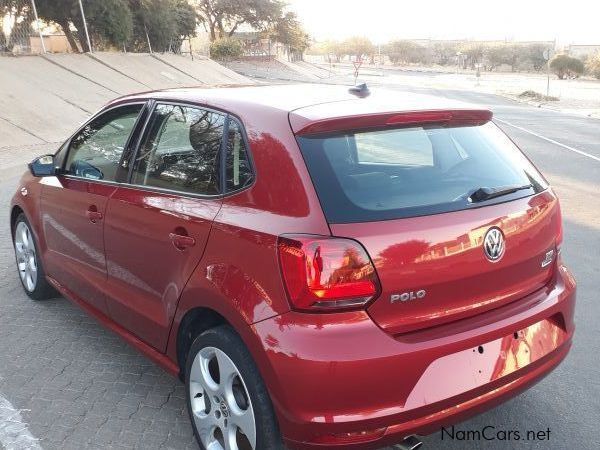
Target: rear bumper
<point>338,378</point>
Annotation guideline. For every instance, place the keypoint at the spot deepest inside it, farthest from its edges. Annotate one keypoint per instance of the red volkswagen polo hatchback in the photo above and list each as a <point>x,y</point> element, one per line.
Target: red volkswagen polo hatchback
<point>322,267</point>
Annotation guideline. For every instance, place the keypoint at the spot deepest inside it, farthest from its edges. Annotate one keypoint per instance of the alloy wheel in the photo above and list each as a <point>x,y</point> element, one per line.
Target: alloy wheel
<point>221,407</point>
<point>26,256</point>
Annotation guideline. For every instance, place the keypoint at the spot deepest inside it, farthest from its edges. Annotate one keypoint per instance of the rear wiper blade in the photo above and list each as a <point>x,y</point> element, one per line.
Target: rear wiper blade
<point>486,193</point>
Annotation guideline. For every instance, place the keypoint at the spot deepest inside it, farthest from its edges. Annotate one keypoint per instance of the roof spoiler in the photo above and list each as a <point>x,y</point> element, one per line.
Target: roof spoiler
<point>456,117</point>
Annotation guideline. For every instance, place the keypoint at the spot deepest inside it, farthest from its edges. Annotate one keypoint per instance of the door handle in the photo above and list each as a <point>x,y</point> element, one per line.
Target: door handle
<point>93,214</point>
<point>182,241</point>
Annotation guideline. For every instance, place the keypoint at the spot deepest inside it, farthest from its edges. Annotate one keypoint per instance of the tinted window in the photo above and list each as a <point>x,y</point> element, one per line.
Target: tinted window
<point>96,151</point>
<point>238,170</point>
<point>377,175</point>
<point>181,150</point>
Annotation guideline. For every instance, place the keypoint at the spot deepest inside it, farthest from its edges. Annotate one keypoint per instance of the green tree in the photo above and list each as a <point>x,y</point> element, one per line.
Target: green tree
<point>289,32</point>
<point>110,23</point>
<point>515,54</point>
<point>123,23</point>
<point>444,53</point>
<point>565,66</point>
<point>534,54</point>
<point>593,65</point>
<point>10,12</point>
<point>319,48</point>
<point>498,54</point>
<point>495,56</point>
<point>337,49</point>
<point>20,16</point>
<point>162,22</point>
<point>406,52</point>
<point>223,17</point>
<point>63,13</point>
<point>226,49</point>
<point>358,46</point>
<point>474,52</point>
<point>186,17</point>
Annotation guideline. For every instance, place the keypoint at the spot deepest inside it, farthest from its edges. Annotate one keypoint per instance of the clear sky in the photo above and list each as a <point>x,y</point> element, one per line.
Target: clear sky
<point>568,21</point>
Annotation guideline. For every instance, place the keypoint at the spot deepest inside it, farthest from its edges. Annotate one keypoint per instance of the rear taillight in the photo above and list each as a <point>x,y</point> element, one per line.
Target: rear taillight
<point>559,234</point>
<point>322,273</point>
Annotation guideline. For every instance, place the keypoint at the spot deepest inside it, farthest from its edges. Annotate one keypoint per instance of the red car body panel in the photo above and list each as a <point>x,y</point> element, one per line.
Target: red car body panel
<point>339,354</point>
<point>147,275</point>
<point>74,243</point>
<point>490,330</point>
<point>443,254</point>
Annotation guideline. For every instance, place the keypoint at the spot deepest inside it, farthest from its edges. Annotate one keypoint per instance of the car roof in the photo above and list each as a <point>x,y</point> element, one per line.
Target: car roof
<point>307,102</point>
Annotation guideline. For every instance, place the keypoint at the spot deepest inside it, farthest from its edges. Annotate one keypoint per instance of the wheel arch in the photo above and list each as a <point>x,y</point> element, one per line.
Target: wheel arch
<point>194,322</point>
<point>14,213</point>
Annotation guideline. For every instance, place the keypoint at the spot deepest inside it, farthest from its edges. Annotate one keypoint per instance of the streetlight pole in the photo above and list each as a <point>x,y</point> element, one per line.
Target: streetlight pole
<point>37,21</point>
<point>548,79</point>
<point>546,54</point>
<point>87,35</point>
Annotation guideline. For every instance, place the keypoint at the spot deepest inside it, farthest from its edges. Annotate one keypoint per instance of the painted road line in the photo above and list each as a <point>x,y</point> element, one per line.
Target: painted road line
<point>14,434</point>
<point>552,141</point>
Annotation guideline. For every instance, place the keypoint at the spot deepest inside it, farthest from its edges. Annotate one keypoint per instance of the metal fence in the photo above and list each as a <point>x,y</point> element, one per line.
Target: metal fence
<point>20,31</point>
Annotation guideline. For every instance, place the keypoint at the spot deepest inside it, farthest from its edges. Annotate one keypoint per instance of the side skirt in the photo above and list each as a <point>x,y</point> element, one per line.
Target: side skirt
<point>159,358</point>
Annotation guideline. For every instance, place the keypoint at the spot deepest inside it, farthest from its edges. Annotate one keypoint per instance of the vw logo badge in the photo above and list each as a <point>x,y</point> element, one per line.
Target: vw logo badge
<point>493,244</point>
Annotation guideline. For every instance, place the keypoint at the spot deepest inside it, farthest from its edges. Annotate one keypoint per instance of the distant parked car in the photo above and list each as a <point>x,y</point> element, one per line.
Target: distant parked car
<point>322,267</point>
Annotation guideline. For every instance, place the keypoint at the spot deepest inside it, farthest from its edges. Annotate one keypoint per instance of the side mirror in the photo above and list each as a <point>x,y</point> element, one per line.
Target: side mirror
<point>43,166</point>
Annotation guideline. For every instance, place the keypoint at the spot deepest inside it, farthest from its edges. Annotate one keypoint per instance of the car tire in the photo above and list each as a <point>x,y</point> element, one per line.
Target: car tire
<point>226,396</point>
<point>29,266</point>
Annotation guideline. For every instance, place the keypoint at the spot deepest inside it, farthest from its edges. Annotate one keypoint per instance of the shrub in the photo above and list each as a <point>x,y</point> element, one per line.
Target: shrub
<point>405,52</point>
<point>593,65</point>
<point>532,95</point>
<point>565,66</point>
<point>226,49</point>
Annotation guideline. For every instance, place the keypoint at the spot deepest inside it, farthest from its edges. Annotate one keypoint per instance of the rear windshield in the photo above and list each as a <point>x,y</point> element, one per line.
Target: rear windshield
<point>406,172</point>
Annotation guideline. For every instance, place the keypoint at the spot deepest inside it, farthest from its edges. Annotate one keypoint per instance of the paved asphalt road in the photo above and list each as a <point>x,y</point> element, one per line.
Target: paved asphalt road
<point>76,385</point>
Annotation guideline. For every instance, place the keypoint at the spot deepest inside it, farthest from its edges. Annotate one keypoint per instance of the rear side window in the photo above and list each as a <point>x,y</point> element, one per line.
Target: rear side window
<point>406,172</point>
<point>238,170</point>
<point>181,150</point>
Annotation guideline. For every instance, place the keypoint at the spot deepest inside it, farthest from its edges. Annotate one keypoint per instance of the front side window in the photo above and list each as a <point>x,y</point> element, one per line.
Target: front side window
<point>96,152</point>
<point>181,150</point>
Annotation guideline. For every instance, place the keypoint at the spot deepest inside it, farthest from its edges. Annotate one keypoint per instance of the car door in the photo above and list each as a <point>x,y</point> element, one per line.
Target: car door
<point>157,226</point>
<point>73,203</point>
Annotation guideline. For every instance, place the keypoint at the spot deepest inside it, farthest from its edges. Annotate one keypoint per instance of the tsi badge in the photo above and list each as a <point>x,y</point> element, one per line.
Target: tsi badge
<point>406,296</point>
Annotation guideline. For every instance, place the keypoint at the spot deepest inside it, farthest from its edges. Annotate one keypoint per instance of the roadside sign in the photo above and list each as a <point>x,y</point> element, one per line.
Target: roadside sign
<point>546,54</point>
<point>357,63</point>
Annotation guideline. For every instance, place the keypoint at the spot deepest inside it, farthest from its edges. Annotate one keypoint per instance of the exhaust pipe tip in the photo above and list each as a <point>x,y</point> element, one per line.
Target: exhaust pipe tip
<point>411,442</point>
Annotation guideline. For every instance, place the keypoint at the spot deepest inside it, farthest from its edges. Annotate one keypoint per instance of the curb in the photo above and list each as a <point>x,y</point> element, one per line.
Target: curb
<point>543,105</point>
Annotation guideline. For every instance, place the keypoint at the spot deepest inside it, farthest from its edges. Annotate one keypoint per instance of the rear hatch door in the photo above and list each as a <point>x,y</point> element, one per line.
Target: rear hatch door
<point>435,269</point>
<point>421,191</point>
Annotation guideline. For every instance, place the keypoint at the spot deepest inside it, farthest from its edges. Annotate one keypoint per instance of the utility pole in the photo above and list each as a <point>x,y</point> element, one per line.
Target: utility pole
<point>148,38</point>
<point>548,79</point>
<point>546,55</point>
<point>87,35</point>
<point>37,22</point>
